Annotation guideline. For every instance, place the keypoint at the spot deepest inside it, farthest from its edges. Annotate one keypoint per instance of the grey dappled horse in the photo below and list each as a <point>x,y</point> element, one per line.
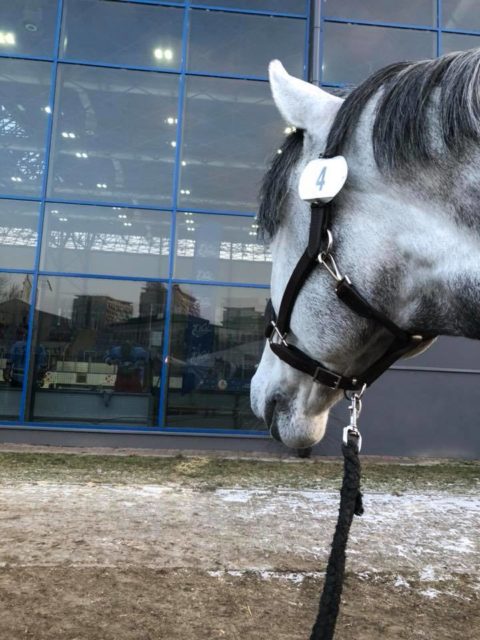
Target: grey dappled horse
<point>406,224</point>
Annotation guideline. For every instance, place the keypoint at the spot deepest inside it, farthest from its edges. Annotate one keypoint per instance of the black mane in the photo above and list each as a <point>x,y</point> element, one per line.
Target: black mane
<point>401,135</point>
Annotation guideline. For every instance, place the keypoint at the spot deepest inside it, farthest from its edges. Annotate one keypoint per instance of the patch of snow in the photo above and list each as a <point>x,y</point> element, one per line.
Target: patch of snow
<point>427,574</point>
<point>430,593</point>
<point>401,582</point>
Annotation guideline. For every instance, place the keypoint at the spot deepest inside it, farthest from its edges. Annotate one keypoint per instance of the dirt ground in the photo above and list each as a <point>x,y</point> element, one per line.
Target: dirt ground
<point>147,548</point>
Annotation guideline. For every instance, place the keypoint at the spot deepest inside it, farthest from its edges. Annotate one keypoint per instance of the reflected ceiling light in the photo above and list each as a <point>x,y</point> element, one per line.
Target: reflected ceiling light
<point>173,143</point>
<point>252,233</point>
<point>190,228</point>
<point>122,216</point>
<point>68,134</point>
<point>184,164</point>
<point>127,224</point>
<point>101,185</point>
<point>47,109</point>
<point>171,120</point>
<point>16,179</point>
<point>188,213</point>
<point>279,151</point>
<point>288,130</point>
<point>7,37</point>
<point>117,208</point>
<point>163,54</point>
<point>81,154</point>
<point>54,211</point>
<point>63,219</point>
<point>185,192</point>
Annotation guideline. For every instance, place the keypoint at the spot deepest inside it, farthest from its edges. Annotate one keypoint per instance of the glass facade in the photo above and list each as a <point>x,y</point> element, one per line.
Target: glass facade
<point>135,136</point>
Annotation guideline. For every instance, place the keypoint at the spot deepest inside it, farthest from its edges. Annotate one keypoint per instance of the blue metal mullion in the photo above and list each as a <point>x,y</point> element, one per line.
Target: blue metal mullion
<point>219,212</point>
<point>387,25</point>
<point>98,276</point>
<point>439,28</point>
<point>122,205</point>
<point>306,48</point>
<point>221,283</point>
<point>48,143</point>
<point>321,48</point>
<point>254,12</point>
<point>19,197</point>
<point>163,387</point>
<point>113,65</point>
<point>461,32</point>
<point>19,56</point>
<point>20,271</point>
<point>227,76</point>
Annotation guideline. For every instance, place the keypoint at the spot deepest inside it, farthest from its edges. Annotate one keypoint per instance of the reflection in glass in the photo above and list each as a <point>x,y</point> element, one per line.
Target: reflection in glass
<point>225,248</point>
<point>115,135</point>
<point>130,34</point>
<point>24,109</point>
<point>103,345</point>
<point>244,44</point>
<point>280,6</point>
<point>421,12</point>
<point>28,27</point>
<point>353,52</point>
<point>216,342</point>
<point>231,130</point>
<point>18,233</point>
<point>461,14</point>
<point>106,240</point>
<point>15,290</point>
<point>456,42</point>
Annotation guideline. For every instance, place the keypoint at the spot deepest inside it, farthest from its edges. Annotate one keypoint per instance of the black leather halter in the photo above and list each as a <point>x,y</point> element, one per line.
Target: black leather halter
<point>278,325</point>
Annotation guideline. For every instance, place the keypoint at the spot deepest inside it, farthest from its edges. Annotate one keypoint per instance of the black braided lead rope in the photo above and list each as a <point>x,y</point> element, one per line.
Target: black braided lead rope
<point>350,504</point>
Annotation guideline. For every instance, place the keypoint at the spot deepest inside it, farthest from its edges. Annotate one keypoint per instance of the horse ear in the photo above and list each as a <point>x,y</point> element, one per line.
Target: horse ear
<point>302,104</point>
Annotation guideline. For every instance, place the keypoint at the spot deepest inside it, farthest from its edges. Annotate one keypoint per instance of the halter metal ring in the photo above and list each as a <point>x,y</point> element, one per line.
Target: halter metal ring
<point>279,334</point>
<point>328,261</point>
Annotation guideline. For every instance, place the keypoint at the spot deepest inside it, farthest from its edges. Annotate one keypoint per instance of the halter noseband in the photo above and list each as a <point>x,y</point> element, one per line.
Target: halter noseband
<point>318,252</point>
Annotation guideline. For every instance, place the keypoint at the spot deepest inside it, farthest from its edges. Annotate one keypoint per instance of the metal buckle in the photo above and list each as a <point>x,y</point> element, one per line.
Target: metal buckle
<point>335,375</point>
<point>281,336</point>
<point>355,409</point>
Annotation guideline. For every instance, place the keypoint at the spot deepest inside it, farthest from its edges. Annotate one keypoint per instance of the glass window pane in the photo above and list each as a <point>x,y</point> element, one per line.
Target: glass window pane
<point>216,342</point>
<point>461,14</point>
<point>126,33</point>
<point>222,248</point>
<point>15,292</point>
<point>18,233</point>
<point>106,240</point>
<point>353,52</point>
<point>115,135</point>
<point>421,12</point>
<point>231,130</point>
<point>99,343</point>
<point>23,121</point>
<point>456,42</point>
<point>281,6</point>
<point>28,27</point>
<point>242,44</point>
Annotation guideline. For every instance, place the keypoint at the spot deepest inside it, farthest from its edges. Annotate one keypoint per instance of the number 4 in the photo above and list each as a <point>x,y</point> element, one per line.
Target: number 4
<point>321,178</point>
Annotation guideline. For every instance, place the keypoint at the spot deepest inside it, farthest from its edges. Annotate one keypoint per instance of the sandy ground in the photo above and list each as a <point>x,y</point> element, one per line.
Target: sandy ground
<point>94,560</point>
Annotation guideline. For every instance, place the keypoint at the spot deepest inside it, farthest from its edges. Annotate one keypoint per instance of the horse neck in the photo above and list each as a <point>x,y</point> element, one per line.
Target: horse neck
<point>438,256</point>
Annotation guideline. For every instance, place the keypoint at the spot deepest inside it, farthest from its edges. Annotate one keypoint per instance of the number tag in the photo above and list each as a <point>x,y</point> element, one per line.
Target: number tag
<point>323,179</point>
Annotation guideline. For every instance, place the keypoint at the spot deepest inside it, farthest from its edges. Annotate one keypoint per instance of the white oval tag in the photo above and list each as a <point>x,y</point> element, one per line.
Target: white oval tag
<point>322,179</point>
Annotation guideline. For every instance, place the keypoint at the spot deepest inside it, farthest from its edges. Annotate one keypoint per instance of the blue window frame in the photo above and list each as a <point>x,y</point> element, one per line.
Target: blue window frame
<point>118,234</point>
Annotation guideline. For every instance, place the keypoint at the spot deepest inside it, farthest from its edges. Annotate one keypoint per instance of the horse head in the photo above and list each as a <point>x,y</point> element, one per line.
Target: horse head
<point>405,225</point>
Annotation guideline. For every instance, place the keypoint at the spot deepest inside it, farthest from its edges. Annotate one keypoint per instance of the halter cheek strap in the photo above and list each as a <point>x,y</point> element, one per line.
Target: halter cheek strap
<point>318,252</point>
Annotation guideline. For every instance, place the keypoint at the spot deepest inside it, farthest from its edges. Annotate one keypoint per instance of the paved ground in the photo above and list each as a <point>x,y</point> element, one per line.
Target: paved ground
<point>89,549</point>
